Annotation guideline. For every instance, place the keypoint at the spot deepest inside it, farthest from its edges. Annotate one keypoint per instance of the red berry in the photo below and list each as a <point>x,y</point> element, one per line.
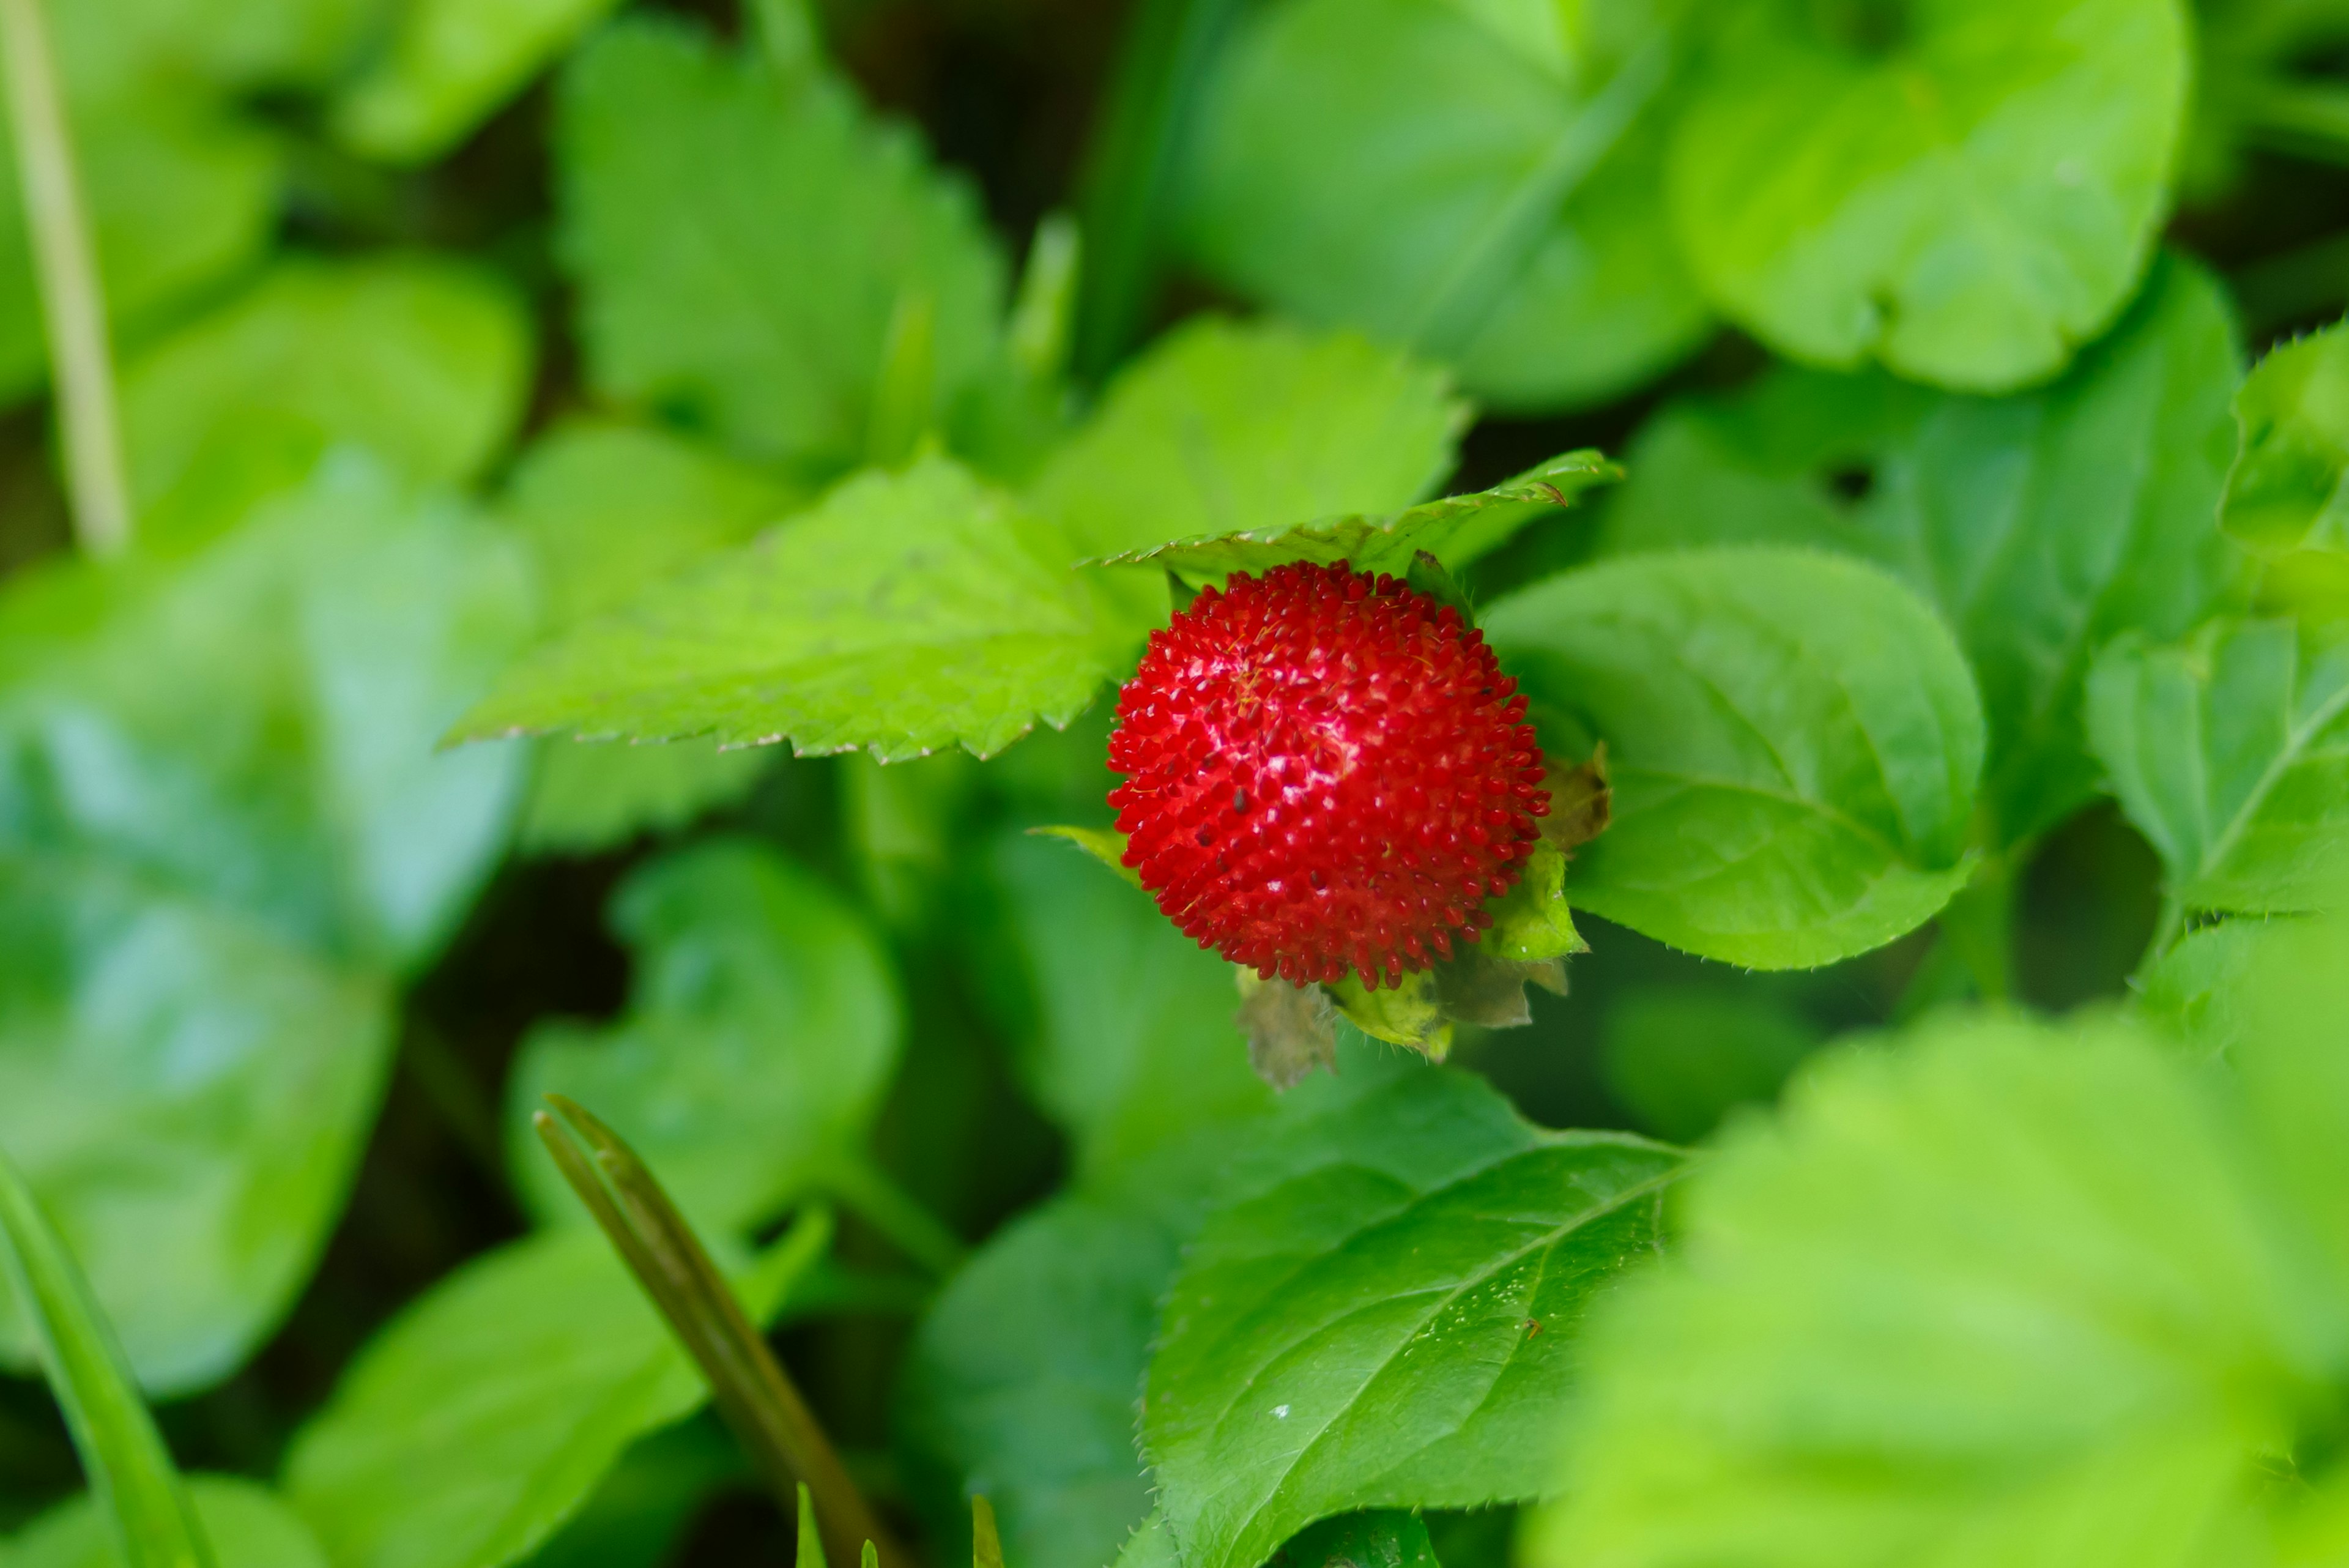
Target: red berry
<point>1325,772</point>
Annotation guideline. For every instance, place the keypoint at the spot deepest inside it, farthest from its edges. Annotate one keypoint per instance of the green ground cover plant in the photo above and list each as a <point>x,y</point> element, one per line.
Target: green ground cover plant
<point>573,992</point>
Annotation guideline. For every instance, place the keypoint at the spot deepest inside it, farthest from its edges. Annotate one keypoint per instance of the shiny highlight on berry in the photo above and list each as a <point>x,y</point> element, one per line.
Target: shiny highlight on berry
<point>1325,773</point>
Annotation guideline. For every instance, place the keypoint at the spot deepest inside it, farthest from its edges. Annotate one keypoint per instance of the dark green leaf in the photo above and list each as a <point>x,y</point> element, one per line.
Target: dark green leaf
<point>1132,1041</point>
<point>742,241</point>
<point>2285,490</point>
<point>610,507</point>
<point>187,1091</point>
<point>138,1505</point>
<point>449,65</point>
<point>2042,525</point>
<point>476,1424</point>
<point>907,612</point>
<point>2008,1292</point>
<point>2230,752</point>
<point>426,363</point>
<point>1381,1539</point>
<point>1454,530</point>
<point>1391,1322</point>
<point>1965,192</point>
<point>1222,428</point>
<point>764,1024</point>
<point>1389,164</point>
<point>248,1526</point>
<point>1792,739</point>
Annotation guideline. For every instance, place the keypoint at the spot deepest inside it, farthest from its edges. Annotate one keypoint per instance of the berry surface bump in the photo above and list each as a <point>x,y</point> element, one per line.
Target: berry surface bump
<point>1325,772</point>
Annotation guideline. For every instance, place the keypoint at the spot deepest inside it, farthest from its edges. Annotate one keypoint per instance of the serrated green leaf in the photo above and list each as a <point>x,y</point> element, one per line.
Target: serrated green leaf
<point>247,1524</point>
<point>1224,427</point>
<point>1792,742</point>
<point>904,613</point>
<point>1392,1321</point>
<point>1396,166</point>
<point>2007,1292</point>
<point>742,241</point>
<point>2200,990</point>
<point>1455,530</point>
<point>426,363</point>
<point>2230,752</point>
<point>187,1091</point>
<point>479,1420</point>
<point>2293,414</point>
<point>137,1503</point>
<point>180,194</point>
<point>609,507</point>
<point>1131,1041</point>
<point>450,65</point>
<point>764,1024</point>
<point>2042,525</point>
<point>1965,192</point>
<point>1681,1059</point>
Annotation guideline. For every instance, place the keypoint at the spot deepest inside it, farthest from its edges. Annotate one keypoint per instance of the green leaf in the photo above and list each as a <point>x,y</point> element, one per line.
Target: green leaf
<point>2285,490</point>
<point>609,507</point>
<point>742,243</point>
<point>1393,166</point>
<point>115,46</point>
<point>247,1525</point>
<point>1965,192</point>
<point>427,363</point>
<point>2230,752</point>
<point>181,197</point>
<point>1131,1042</point>
<point>1392,1321</point>
<point>138,1505</point>
<point>1023,1380</point>
<point>1384,1538</point>
<point>2008,1292</point>
<point>189,1094</point>
<point>1106,845</point>
<point>1455,530</point>
<point>482,1418</point>
<point>763,1025</point>
<point>448,66</point>
<point>1792,739</point>
<point>2293,996</point>
<point>2200,990</point>
<point>2042,525</point>
<point>907,612</point>
<point>1223,427</point>
<point>1681,1059</point>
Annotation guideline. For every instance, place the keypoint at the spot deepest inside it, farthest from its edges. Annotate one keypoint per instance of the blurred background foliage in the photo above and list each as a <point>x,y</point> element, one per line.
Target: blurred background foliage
<point>473,306</point>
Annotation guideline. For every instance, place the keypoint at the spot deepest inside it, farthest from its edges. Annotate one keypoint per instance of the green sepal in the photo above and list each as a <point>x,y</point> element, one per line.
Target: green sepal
<point>1106,845</point>
<point>1409,1013</point>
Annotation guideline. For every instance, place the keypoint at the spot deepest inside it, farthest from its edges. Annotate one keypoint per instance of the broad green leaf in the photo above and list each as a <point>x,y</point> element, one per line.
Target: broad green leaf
<point>2286,490</point>
<point>2042,525</point>
<point>1131,1040</point>
<point>1024,1378</point>
<point>187,1091</point>
<point>2201,990</point>
<point>1965,190</point>
<point>481,1418</point>
<point>138,1504</point>
<point>247,1524</point>
<point>1392,1321</point>
<point>2292,1000</point>
<point>907,612</point>
<point>1393,166</point>
<point>742,243</point>
<point>1455,530</point>
<point>180,194</point>
<point>425,362</point>
<point>609,507</point>
<point>450,66</point>
<point>1792,739</point>
<point>117,47</point>
<point>2006,1292</point>
<point>1223,427</point>
<point>1680,1059</point>
<point>764,1024</point>
<point>2230,752</point>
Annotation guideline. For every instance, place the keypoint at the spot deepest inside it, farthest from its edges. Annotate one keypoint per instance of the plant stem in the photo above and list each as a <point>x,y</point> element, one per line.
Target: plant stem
<point>754,1394</point>
<point>895,1213</point>
<point>73,304</point>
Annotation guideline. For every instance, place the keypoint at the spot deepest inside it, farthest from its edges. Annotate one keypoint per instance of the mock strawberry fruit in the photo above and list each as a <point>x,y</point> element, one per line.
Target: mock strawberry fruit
<point>1325,772</point>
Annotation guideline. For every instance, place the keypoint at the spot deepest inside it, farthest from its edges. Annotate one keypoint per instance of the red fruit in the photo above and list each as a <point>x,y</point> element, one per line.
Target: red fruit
<point>1325,771</point>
